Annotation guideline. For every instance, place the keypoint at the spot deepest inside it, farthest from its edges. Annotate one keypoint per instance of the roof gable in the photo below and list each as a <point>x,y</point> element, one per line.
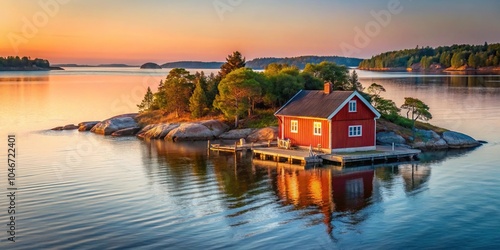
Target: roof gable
<point>315,103</point>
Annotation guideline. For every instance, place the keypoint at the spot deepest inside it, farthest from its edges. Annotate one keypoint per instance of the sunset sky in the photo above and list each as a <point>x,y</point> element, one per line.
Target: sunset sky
<point>134,32</point>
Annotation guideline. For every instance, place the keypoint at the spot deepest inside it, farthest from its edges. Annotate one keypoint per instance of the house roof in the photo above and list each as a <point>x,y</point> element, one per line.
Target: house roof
<point>315,103</point>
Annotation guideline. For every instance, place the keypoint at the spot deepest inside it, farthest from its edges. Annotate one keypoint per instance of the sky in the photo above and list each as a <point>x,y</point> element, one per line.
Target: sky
<point>139,31</point>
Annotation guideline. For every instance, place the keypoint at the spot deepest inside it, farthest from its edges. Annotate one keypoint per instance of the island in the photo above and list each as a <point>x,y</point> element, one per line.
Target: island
<point>472,58</point>
<point>150,65</point>
<point>16,63</point>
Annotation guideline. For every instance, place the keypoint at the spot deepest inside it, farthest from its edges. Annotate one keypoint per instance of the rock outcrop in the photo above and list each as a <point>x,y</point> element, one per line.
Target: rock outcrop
<point>236,134</point>
<point>459,140</point>
<point>263,134</point>
<point>65,127</point>
<point>157,131</point>
<point>389,137</point>
<point>113,124</point>
<point>126,132</point>
<point>190,132</point>
<point>215,126</point>
<point>87,126</point>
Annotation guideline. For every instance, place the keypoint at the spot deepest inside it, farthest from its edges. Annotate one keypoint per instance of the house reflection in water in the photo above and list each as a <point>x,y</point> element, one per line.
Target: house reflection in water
<point>339,193</point>
<point>323,188</point>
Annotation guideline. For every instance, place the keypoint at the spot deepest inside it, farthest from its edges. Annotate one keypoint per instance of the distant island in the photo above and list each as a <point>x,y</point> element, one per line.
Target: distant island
<point>110,65</point>
<point>192,65</point>
<point>480,58</point>
<point>301,61</point>
<point>16,63</point>
<point>150,65</point>
<point>261,63</point>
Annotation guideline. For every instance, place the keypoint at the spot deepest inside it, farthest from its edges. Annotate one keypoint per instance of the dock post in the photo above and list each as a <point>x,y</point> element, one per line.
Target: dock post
<point>393,146</point>
<point>235,146</point>
<point>208,147</point>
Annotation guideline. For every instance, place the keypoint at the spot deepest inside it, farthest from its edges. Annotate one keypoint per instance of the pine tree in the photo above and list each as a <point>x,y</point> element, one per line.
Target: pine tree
<point>233,62</point>
<point>147,102</point>
<point>198,102</point>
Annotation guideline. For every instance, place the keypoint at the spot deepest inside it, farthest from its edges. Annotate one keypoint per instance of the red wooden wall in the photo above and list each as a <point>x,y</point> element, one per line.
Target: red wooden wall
<point>305,136</point>
<point>339,130</point>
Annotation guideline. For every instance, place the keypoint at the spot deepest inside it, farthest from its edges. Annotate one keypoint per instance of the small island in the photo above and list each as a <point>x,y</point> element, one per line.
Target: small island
<point>462,58</point>
<point>246,106</point>
<point>16,63</point>
<point>150,65</point>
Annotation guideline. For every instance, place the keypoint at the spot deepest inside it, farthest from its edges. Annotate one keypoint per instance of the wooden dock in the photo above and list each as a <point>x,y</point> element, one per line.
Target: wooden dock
<point>380,154</point>
<point>302,157</point>
<point>237,146</point>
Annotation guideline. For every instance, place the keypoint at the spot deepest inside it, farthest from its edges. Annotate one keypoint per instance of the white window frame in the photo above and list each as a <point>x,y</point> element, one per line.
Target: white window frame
<point>353,106</point>
<point>294,126</point>
<point>355,131</point>
<point>317,128</point>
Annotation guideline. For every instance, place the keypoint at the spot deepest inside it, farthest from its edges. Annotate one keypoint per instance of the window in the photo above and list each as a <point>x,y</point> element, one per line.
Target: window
<point>294,126</point>
<point>317,128</point>
<point>352,106</point>
<point>355,131</point>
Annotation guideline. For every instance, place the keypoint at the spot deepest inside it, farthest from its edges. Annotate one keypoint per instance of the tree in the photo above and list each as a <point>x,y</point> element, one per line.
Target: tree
<point>177,88</point>
<point>147,102</point>
<point>233,62</point>
<point>198,101</point>
<point>285,82</point>
<point>417,110</point>
<point>353,82</point>
<point>384,106</point>
<point>376,89</point>
<point>330,72</point>
<point>237,93</point>
<point>472,61</point>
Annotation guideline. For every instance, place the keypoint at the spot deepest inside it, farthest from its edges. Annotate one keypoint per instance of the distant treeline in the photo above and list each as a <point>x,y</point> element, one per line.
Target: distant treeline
<point>301,61</point>
<point>193,65</point>
<point>475,56</point>
<point>16,62</point>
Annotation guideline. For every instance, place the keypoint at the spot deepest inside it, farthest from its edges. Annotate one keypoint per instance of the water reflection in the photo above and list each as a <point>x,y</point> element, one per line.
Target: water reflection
<point>18,79</point>
<point>248,192</point>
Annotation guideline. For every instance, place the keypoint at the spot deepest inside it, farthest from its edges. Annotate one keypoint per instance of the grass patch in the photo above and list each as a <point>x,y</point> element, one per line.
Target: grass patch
<point>160,116</point>
<point>262,119</point>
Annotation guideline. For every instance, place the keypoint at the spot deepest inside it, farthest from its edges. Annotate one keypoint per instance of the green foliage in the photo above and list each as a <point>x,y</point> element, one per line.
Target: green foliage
<point>262,119</point>
<point>198,102</point>
<point>24,62</point>
<point>399,120</point>
<point>233,62</point>
<point>301,61</point>
<point>330,72</point>
<point>147,102</point>
<point>284,83</point>
<point>454,56</point>
<point>311,82</point>
<point>238,92</point>
<point>353,83</point>
<point>417,109</point>
<point>384,106</point>
<point>177,89</point>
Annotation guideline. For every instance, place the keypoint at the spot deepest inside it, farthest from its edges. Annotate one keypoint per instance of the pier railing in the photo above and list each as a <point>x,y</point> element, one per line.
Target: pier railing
<point>284,143</point>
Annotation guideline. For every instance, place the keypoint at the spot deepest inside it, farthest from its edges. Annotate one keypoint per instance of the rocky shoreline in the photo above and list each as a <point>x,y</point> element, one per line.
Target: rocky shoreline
<point>126,125</point>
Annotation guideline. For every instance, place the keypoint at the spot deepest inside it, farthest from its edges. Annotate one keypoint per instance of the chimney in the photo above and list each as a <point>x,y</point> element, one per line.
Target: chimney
<point>328,87</point>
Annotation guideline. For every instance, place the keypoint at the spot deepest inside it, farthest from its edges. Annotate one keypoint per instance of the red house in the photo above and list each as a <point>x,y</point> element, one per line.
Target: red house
<point>335,121</point>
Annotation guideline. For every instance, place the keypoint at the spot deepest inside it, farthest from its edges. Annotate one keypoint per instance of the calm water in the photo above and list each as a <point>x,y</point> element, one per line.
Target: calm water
<point>79,190</point>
